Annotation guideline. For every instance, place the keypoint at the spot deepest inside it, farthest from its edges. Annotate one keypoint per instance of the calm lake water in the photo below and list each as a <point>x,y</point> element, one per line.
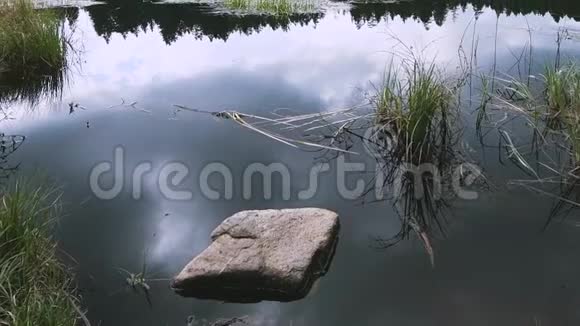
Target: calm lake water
<point>494,267</point>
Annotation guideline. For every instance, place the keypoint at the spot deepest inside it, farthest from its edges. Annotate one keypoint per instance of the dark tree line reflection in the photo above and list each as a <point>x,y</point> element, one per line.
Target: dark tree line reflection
<point>204,20</point>
<point>437,11</point>
<point>175,20</point>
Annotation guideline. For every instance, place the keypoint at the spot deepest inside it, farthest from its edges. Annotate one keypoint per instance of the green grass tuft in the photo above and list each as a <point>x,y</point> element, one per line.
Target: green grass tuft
<point>563,89</point>
<point>31,41</point>
<point>563,102</point>
<point>35,288</point>
<point>414,106</point>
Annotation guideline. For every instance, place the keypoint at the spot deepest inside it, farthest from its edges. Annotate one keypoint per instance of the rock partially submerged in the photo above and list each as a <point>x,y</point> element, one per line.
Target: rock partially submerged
<point>273,255</point>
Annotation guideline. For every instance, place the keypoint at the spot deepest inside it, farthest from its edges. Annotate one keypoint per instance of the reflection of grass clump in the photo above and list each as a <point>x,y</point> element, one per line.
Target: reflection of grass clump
<point>30,40</point>
<point>35,288</point>
<point>275,7</point>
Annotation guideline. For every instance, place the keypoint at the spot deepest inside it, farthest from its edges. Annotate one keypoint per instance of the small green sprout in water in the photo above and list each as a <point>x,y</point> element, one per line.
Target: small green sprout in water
<point>140,281</point>
<point>136,280</point>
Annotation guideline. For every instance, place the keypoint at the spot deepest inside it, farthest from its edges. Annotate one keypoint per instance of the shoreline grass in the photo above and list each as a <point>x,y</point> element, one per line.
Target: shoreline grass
<point>35,287</point>
<point>31,41</point>
<point>273,7</point>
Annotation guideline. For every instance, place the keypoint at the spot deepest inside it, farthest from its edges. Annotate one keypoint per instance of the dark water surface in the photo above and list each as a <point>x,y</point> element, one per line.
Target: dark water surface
<point>494,267</point>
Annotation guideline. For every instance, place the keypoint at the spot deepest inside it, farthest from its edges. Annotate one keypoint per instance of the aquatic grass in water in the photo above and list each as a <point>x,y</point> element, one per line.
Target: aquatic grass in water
<point>550,106</point>
<point>411,105</point>
<point>274,7</point>
<point>35,287</point>
<point>563,103</point>
<point>139,281</point>
<point>415,107</point>
<point>563,89</point>
<point>31,41</point>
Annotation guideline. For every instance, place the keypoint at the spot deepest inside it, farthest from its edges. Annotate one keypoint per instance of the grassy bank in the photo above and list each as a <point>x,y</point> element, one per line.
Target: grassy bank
<point>35,287</point>
<point>31,41</point>
<point>271,7</point>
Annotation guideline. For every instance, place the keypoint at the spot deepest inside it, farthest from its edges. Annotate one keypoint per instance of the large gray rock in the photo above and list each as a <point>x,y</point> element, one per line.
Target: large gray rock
<point>260,255</point>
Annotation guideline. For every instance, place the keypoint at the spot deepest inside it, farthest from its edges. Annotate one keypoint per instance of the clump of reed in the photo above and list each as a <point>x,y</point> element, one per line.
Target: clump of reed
<point>550,105</point>
<point>416,108</point>
<point>31,41</point>
<point>562,89</point>
<point>272,7</point>
<point>35,287</point>
<point>562,112</point>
